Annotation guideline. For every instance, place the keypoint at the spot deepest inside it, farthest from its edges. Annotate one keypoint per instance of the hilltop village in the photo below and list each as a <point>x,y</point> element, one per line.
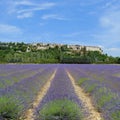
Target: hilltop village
<point>77,48</point>
<point>13,52</point>
<point>20,47</point>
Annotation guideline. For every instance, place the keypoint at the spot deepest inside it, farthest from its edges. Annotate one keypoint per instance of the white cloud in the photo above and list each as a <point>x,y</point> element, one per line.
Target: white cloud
<point>111,20</point>
<point>25,9</point>
<point>24,2</point>
<point>108,33</point>
<point>37,7</point>
<point>112,4</point>
<point>113,51</point>
<point>9,29</point>
<point>105,21</point>
<point>109,28</point>
<point>25,15</point>
<point>53,16</point>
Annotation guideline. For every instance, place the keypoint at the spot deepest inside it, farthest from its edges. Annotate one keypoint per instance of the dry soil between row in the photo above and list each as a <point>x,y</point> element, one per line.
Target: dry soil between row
<point>93,113</point>
<point>29,115</point>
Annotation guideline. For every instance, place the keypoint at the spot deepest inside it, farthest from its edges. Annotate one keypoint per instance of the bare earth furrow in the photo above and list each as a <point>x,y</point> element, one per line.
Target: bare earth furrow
<point>93,114</point>
<point>29,115</point>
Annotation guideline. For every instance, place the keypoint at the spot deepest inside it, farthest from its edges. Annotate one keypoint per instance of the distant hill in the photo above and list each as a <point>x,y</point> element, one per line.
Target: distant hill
<point>52,53</point>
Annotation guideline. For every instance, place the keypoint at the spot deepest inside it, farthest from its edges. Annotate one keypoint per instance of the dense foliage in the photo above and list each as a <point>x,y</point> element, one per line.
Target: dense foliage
<point>17,53</point>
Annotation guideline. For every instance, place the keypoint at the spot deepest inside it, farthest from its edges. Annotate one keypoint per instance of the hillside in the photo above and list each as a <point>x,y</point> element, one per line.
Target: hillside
<point>52,53</point>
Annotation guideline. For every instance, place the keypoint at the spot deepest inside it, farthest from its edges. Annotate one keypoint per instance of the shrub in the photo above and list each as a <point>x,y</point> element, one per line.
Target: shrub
<point>82,80</point>
<point>116,115</point>
<point>9,109</point>
<point>60,110</point>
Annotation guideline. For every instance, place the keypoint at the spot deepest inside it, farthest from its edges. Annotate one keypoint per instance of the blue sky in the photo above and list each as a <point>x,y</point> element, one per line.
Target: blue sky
<point>83,22</point>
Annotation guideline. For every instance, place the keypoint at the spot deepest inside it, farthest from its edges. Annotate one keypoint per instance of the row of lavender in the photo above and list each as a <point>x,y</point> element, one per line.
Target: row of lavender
<point>12,74</point>
<point>22,83</point>
<point>60,102</point>
<point>102,82</point>
<point>26,80</point>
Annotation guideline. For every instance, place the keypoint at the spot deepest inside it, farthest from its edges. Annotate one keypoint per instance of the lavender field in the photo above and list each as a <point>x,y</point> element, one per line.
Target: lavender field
<point>59,92</point>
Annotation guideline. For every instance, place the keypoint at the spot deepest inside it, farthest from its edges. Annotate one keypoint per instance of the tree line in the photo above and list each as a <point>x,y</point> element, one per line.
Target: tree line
<point>17,53</point>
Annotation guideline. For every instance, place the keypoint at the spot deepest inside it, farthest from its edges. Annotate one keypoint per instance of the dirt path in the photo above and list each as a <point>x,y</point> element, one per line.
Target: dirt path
<point>29,115</point>
<point>93,114</point>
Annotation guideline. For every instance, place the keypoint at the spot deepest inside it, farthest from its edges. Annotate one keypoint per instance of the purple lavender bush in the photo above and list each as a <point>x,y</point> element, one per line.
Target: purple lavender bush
<point>102,85</point>
<point>25,90</point>
<point>60,102</point>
